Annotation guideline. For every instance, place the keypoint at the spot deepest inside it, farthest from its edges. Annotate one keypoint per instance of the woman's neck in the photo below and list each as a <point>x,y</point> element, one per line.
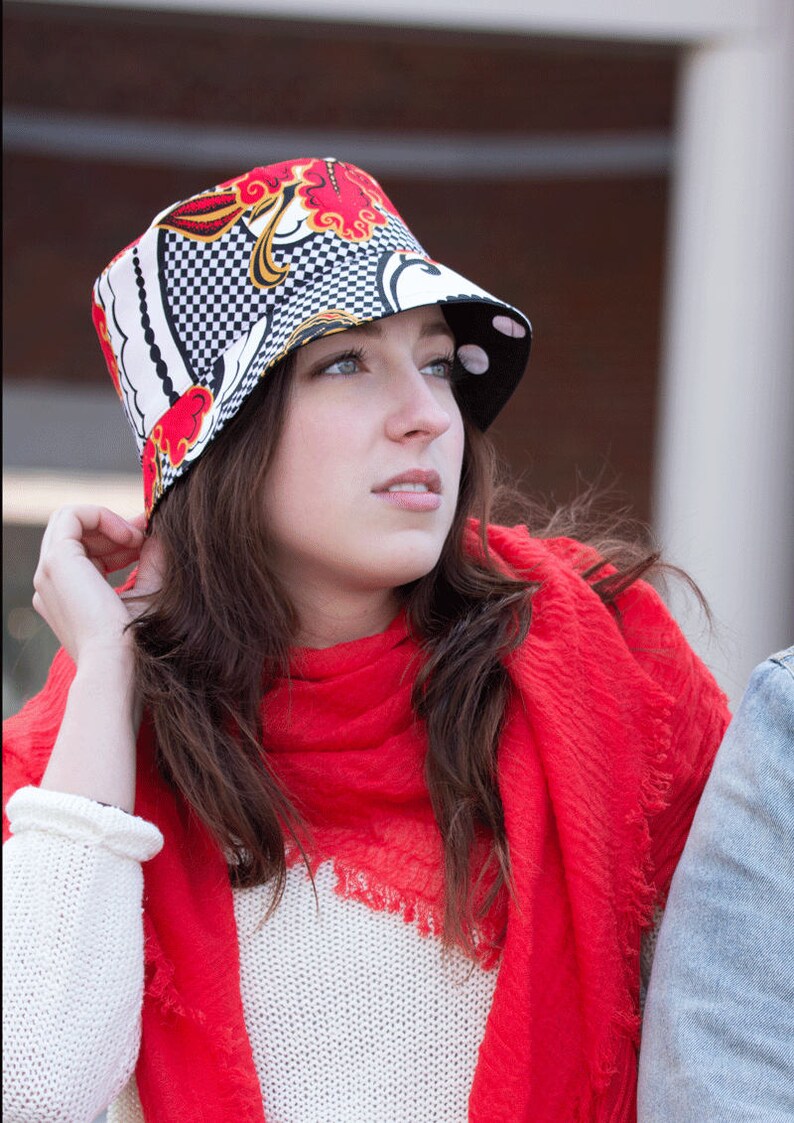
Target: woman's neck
<point>326,620</point>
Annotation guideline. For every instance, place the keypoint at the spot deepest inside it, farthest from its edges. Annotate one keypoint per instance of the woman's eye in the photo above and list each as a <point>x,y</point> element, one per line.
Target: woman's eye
<point>342,364</point>
<point>440,368</point>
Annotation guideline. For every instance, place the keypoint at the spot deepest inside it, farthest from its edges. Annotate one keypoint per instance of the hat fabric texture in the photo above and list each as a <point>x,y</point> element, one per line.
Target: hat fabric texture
<point>224,285</point>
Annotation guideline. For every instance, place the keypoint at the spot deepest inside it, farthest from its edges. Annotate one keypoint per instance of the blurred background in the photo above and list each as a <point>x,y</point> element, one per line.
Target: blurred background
<point>623,174</point>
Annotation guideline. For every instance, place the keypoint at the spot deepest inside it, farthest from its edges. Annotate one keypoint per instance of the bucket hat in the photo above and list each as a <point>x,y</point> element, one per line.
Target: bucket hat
<point>224,285</point>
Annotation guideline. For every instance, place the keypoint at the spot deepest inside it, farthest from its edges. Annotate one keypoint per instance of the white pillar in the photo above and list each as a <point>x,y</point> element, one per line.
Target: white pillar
<point>724,489</point>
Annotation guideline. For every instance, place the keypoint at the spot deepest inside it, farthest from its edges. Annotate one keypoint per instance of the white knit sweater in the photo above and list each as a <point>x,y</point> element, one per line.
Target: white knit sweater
<point>352,1014</point>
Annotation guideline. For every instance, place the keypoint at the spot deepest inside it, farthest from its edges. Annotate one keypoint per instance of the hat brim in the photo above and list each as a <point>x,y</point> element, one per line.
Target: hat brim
<point>404,281</point>
<point>397,282</point>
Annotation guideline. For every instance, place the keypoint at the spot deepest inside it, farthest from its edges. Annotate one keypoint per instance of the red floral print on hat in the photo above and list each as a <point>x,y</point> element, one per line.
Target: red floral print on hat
<point>176,432</point>
<point>179,428</point>
<point>206,217</point>
<point>152,476</point>
<point>101,326</point>
<point>341,199</point>
<point>335,196</point>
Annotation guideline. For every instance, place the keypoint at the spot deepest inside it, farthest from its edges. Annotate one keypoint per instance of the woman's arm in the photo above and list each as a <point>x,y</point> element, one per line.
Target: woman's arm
<point>73,942</point>
<point>94,754</point>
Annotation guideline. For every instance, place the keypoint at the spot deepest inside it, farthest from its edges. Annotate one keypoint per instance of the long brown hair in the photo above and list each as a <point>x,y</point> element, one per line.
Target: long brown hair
<point>219,631</point>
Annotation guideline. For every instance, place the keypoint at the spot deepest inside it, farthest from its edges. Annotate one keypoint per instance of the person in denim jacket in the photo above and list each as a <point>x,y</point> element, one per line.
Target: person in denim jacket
<point>718,1034</point>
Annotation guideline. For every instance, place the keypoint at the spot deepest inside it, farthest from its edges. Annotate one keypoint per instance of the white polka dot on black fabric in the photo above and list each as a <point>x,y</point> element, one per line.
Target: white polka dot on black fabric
<point>510,327</point>
<point>473,358</point>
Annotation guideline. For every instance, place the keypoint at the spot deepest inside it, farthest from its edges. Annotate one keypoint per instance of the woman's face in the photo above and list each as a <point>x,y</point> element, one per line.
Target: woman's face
<point>363,486</point>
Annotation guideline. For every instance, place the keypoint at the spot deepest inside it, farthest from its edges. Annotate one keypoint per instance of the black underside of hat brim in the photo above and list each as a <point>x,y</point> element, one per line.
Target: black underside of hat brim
<point>483,396</point>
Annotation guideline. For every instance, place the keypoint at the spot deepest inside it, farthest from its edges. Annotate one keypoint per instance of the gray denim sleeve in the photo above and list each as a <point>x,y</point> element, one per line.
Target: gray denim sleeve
<point>718,1031</point>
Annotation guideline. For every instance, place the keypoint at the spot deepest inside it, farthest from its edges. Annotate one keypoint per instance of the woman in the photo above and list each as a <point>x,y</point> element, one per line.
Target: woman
<point>408,786</point>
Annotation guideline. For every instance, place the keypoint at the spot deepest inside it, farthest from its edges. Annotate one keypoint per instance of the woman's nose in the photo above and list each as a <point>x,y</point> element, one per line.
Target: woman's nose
<point>417,410</point>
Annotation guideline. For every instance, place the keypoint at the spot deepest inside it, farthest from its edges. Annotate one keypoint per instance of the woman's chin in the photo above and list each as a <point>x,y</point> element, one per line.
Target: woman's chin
<point>410,555</point>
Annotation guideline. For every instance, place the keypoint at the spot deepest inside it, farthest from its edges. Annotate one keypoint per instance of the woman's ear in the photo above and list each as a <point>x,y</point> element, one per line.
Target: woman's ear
<point>151,567</point>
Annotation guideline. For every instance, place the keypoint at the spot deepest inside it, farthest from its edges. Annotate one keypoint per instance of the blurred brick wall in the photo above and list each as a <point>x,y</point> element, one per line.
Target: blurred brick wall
<point>584,258</point>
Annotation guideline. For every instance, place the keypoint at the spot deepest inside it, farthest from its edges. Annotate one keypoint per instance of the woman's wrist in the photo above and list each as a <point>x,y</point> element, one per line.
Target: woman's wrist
<point>115,653</point>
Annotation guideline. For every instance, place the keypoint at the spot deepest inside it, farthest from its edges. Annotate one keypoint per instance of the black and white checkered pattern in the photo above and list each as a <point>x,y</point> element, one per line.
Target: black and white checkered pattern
<point>201,290</point>
<point>211,299</point>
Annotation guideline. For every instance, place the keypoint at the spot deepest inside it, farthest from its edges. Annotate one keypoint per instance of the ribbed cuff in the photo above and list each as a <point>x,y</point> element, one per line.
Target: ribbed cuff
<point>83,820</point>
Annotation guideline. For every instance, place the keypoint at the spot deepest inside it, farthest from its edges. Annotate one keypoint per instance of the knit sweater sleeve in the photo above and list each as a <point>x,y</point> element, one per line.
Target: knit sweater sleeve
<point>73,954</point>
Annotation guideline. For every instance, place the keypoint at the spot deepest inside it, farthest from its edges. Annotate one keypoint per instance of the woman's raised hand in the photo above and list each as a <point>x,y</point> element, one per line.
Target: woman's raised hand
<point>81,545</point>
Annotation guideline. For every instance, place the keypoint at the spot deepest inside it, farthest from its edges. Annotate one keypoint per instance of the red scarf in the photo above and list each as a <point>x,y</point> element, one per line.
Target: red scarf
<point>606,746</point>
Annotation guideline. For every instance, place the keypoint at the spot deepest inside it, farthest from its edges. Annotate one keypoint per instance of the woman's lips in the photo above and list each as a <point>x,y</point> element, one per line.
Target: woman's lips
<point>416,490</point>
<point>410,500</point>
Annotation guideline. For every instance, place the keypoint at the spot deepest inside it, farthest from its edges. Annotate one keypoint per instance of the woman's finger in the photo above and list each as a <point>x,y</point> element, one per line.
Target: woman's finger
<point>118,559</point>
<point>87,524</point>
<point>98,546</point>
